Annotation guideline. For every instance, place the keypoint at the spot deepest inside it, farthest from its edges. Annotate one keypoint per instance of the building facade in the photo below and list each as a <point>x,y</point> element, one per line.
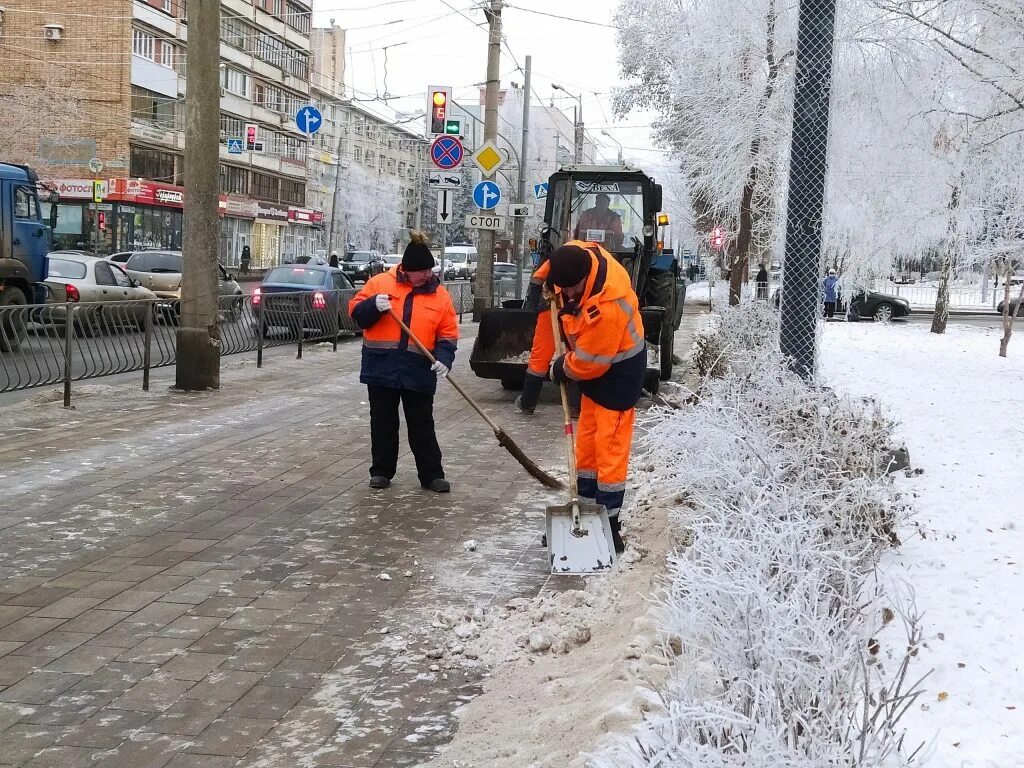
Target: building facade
<point>365,169</point>
<point>115,84</point>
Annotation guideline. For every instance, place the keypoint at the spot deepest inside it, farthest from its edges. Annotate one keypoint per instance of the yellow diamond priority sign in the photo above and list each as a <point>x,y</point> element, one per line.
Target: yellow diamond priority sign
<point>488,158</point>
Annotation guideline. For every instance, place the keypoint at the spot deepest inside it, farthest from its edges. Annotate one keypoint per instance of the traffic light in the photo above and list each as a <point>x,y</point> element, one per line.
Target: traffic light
<point>103,222</point>
<point>252,132</point>
<point>439,97</point>
<point>440,111</point>
<point>718,238</point>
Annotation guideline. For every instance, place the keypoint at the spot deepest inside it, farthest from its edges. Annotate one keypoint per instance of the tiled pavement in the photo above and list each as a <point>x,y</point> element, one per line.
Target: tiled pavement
<point>193,581</point>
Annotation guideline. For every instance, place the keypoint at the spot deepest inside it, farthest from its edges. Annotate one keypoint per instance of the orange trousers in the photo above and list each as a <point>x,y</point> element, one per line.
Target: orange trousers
<point>603,441</point>
<point>543,350</point>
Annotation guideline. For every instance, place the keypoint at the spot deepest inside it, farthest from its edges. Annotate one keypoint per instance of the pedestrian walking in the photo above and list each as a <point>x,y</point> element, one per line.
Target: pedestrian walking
<point>600,317</point>
<point>334,259</point>
<point>761,280</point>
<point>245,260</point>
<point>830,294</point>
<point>394,372</point>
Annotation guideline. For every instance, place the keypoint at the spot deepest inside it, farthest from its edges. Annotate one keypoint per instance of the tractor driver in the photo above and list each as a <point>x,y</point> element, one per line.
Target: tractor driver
<point>601,218</point>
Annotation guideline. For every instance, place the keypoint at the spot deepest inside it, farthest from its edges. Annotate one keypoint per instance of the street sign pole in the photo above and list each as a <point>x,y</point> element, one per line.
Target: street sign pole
<point>519,225</point>
<point>444,248</point>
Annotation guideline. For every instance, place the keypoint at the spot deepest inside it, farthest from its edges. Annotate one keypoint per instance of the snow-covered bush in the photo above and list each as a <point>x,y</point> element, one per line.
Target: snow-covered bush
<point>734,334</point>
<point>783,505</point>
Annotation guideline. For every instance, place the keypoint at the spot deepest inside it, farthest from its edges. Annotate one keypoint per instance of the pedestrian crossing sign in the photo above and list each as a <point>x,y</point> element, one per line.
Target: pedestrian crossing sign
<point>234,146</point>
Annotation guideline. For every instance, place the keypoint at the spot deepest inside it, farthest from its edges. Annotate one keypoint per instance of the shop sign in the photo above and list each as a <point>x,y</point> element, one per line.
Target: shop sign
<point>242,209</point>
<point>74,189</point>
<point>147,192</point>
<point>271,212</point>
<point>300,215</point>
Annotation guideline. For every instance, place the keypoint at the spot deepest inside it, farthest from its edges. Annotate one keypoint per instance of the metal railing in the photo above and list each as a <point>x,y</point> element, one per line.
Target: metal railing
<point>48,344</point>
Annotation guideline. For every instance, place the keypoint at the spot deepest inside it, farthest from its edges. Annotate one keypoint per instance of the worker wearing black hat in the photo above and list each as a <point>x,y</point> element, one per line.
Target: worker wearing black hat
<point>600,319</point>
<point>393,369</point>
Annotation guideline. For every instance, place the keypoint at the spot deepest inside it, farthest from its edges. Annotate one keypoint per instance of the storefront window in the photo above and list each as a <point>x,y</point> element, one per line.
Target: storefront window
<point>156,228</point>
<point>235,234</point>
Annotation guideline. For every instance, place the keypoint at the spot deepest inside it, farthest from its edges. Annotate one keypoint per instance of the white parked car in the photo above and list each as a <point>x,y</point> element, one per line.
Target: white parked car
<point>73,277</point>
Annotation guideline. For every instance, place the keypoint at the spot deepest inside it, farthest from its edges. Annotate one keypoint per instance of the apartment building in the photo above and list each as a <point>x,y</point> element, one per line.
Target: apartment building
<point>118,72</point>
<point>365,169</point>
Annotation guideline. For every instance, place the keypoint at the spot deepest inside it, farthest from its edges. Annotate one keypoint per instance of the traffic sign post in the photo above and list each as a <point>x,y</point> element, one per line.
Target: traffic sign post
<point>485,221</point>
<point>517,211</point>
<point>308,119</point>
<point>488,158</point>
<point>486,195</point>
<point>540,191</point>
<point>446,153</point>
<point>445,206</point>
<point>235,146</point>
<point>444,179</point>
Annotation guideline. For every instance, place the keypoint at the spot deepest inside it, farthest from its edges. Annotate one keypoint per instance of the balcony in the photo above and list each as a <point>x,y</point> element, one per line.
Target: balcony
<point>156,77</point>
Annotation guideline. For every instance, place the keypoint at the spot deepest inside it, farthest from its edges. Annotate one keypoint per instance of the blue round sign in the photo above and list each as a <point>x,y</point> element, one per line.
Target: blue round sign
<point>486,195</point>
<point>446,152</point>
<point>308,119</point>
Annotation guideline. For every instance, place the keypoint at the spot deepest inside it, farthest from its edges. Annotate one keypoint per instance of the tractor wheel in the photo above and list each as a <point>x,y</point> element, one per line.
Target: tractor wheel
<point>661,292</point>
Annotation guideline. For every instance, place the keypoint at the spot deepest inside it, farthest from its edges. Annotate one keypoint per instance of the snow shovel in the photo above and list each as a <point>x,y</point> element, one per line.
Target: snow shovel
<point>504,440</point>
<point>579,535</point>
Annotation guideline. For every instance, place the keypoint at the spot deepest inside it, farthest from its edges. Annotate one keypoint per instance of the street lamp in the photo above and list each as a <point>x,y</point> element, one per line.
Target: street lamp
<point>605,133</point>
<point>577,121</point>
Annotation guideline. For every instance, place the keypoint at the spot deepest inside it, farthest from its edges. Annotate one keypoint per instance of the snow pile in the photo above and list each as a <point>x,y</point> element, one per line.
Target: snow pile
<point>781,503</point>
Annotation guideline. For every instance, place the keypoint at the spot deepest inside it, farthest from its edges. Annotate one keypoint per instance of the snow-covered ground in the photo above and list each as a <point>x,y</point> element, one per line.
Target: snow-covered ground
<point>961,413</point>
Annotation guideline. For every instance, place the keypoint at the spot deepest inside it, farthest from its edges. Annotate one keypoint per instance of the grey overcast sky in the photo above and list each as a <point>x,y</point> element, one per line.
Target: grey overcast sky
<point>444,42</point>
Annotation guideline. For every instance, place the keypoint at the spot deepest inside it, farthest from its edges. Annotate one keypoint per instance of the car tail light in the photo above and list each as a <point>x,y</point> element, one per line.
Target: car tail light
<point>319,302</point>
<point>256,296</point>
<point>72,293</point>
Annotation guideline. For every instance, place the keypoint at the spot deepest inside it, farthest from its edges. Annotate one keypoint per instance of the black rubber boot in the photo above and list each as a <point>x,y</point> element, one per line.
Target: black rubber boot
<point>438,485</point>
<point>620,545</point>
<point>527,401</point>
<point>380,482</point>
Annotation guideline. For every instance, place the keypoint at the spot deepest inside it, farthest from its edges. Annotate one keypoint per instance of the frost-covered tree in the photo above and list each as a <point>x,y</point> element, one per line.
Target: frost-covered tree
<point>720,75</point>
<point>368,208</point>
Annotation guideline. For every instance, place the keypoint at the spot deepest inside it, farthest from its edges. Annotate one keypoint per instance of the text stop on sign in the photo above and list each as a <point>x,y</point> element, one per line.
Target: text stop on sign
<point>485,221</point>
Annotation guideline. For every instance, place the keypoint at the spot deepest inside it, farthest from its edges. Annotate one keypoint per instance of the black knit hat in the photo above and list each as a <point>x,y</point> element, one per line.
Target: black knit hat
<point>417,256</point>
<point>569,265</point>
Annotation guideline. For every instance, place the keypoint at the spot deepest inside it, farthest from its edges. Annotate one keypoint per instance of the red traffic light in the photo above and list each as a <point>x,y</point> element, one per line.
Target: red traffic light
<point>438,111</point>
<point>717,238</point>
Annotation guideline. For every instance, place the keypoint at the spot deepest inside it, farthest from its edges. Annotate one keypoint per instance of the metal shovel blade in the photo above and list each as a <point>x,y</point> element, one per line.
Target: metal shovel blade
<point>585,549</point>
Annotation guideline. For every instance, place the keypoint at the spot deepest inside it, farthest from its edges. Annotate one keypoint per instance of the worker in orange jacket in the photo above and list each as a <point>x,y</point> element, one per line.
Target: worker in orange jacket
<point>542,351</point>
<point>393,369</point>
<point>600,318</point>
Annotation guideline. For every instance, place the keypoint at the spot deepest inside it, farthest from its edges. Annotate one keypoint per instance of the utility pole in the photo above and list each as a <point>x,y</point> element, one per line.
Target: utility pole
<point>519,225</point>
<point>579,133</point>
<point>485,250</point>
<point>198,336</point>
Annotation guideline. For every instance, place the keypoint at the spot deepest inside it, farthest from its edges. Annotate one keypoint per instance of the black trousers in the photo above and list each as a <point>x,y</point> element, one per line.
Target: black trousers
<point>419,420</point>
<point>830,309</point>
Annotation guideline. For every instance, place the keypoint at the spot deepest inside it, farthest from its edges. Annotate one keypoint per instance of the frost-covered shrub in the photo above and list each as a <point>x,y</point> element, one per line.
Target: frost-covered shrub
<point>729,338</point>
<point>784,506</point>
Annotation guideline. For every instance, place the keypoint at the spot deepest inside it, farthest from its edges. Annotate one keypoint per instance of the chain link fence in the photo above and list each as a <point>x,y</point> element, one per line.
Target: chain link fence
<point>805,288</point>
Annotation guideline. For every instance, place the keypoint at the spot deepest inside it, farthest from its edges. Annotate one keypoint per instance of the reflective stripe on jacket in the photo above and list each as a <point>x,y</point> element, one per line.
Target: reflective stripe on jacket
<point>390,359</point>
<point>606,334</point>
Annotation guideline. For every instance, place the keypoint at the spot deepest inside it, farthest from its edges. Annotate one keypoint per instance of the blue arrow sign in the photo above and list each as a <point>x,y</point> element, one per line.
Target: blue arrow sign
<point>446,152</point>
<point>540,190</point>
<point>486,195</point>
<point>309,119</point>
<point>234,146</point>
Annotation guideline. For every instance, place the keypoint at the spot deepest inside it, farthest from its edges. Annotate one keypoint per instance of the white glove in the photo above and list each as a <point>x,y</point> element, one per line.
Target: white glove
<point>440,369</point>
<point>383,302</point>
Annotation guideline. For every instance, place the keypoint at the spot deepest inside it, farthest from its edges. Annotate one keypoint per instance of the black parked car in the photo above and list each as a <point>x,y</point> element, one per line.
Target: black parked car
<point>302,295</point>
<point>360,266</point>
<point>1016,309</point>
<point>867,304</point>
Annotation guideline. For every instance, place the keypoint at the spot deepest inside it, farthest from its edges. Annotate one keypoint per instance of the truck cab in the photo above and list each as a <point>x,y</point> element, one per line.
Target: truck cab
<point>24,242</point>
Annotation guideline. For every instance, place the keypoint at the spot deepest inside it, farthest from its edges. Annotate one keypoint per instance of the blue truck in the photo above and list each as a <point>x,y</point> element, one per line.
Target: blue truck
<point>25,239</point>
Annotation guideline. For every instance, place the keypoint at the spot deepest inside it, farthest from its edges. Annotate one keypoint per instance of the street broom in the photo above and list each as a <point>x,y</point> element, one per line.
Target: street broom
<point>579,535</point>
<point>504,440</point>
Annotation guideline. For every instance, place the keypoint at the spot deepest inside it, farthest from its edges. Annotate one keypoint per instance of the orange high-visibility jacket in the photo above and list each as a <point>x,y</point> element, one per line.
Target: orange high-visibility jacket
<point>605,332</point>
<point>390,359</point>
